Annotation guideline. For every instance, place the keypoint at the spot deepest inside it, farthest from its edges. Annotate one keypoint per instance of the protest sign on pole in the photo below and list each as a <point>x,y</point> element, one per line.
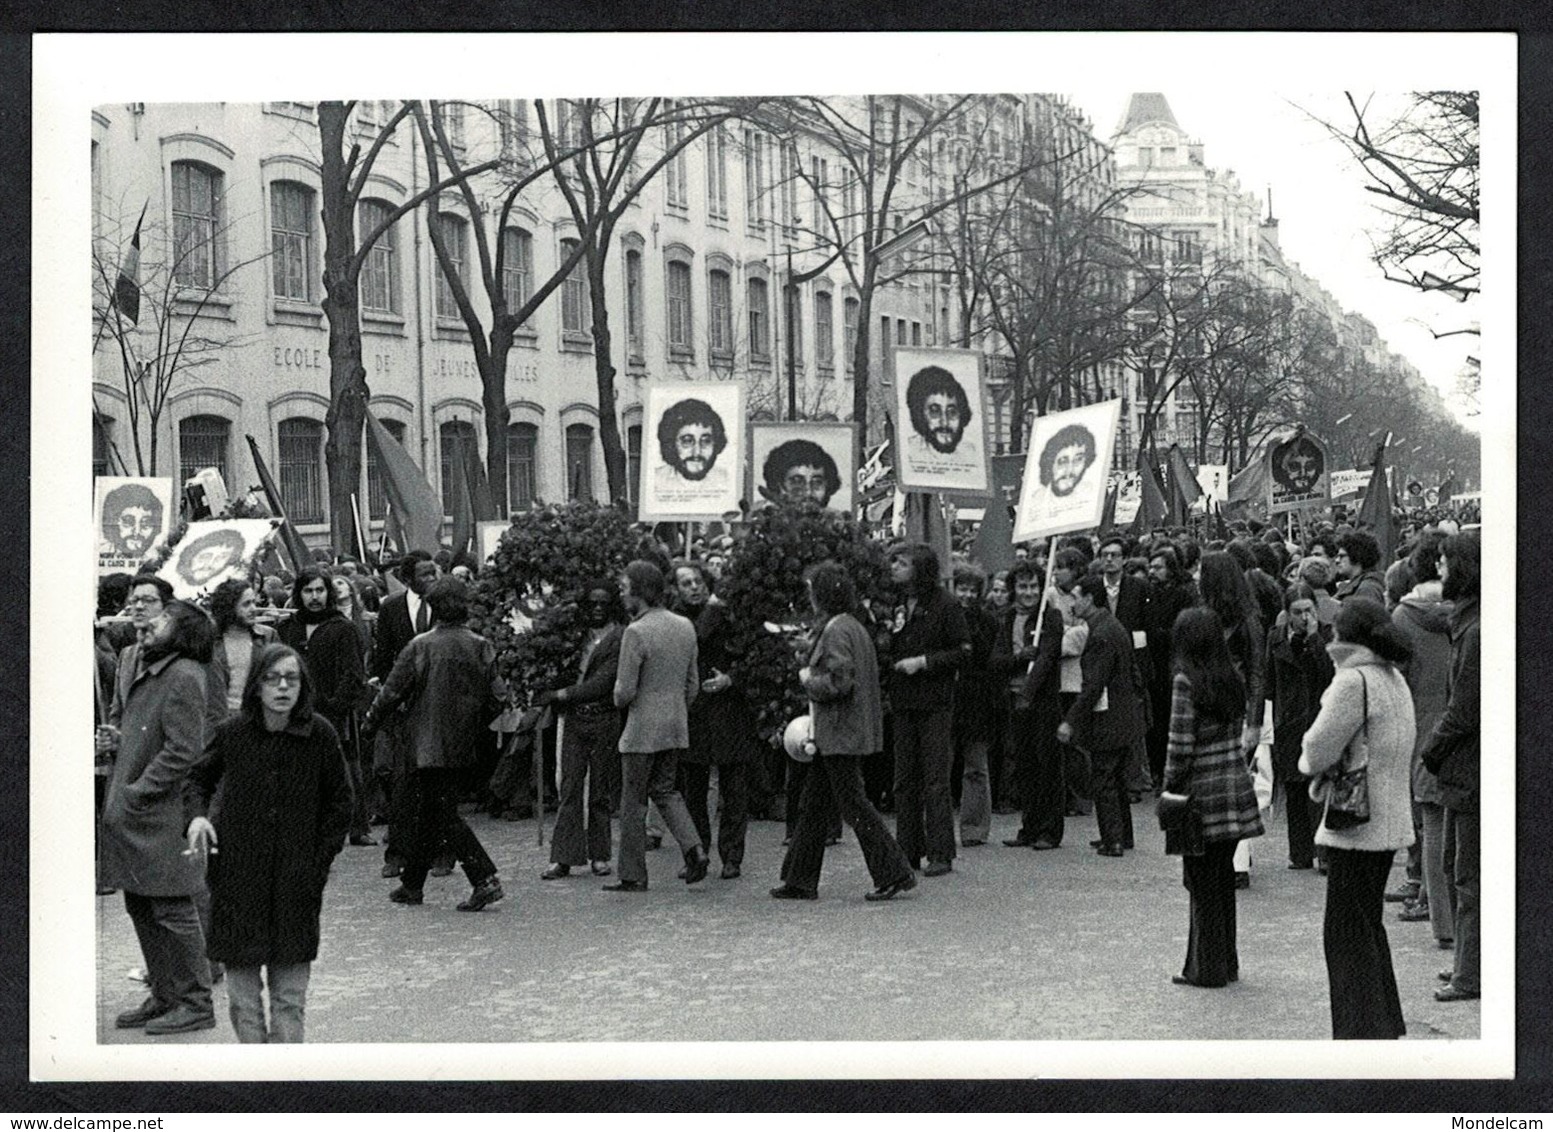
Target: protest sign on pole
<point>1065,474</point>
<point>132,515</point>
<point>1298,471</point>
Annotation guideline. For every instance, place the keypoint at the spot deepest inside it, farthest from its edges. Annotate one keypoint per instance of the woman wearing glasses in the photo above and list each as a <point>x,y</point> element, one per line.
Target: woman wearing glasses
<point>282,808</point>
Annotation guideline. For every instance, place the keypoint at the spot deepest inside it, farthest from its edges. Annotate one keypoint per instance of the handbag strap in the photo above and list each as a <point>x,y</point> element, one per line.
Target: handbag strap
<point>1364,727</point>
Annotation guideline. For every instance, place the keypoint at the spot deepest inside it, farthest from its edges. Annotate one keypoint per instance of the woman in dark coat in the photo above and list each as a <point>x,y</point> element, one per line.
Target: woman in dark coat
<point>1298,671</point>
<point>268,809</point>
<point>1170,591</point>
<point>722,726</point>
<point>841,680</point>
<point>1205,761</point>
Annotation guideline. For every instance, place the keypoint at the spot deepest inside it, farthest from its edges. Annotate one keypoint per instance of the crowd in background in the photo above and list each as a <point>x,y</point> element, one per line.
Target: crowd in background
<point>1232,670</point>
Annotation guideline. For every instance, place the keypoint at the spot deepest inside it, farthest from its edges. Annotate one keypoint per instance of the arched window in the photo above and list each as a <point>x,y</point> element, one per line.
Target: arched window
<point>291,240</point>
<point>760,320</point>
<point>377,497</point>
<point>202,443</point>
<point>579,461</point>
<point>522,466</point>
<point>517,267</point>
<point>453,434</point>
<point>196,225</point>
<point>301,470</point>
<point>380,274</point>
<point>455,234</point>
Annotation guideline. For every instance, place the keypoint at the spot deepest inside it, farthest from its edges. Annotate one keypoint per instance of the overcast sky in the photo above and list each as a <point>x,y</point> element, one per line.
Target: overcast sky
<point>1318,197</point>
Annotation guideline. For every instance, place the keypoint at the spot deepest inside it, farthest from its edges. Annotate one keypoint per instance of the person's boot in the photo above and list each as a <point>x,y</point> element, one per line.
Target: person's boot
<point>697,862</point>
<point>487,892</point>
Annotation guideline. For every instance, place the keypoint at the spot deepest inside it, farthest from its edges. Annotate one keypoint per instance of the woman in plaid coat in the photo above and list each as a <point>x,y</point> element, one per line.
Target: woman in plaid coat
<point>1204,759</point>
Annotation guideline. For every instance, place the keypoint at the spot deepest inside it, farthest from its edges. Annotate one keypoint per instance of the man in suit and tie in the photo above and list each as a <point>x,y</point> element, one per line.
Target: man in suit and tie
<point>1107,716</point>
<point>400,619</point>
<point>1128,599</point>
<point>655,683</point>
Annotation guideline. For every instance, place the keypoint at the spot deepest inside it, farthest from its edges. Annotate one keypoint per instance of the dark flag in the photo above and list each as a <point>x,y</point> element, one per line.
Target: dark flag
<point>463,501</point>
<point>479,487</point>
<point>415,504</point>
<point>126,291</point>
<point>1151,508</point>
<point>1375,511</point>
<point>1185,490</point>
<point>289,535</point>
<point>1447,486</point>
<point>1108,511</point>
<point>1220,531</point>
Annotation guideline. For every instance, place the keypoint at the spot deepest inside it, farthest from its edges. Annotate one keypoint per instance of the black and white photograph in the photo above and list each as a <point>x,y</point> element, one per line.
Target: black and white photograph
<point>804,461</point>
<point>1083,803</point>
<point>695,451</point>
<point>941,424</point>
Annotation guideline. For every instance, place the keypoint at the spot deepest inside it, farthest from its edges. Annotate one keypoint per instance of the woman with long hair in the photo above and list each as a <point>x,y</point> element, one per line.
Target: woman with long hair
<point>841,680</point>
<point>1366,710</point>
<point>271,804</point>
<point>1204,760</point>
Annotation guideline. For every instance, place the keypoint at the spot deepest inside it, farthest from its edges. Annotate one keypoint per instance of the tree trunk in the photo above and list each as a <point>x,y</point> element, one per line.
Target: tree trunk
<point>493,390</point>
<point>348,390</point>
<point>860,360</point>
<point>604,373</point>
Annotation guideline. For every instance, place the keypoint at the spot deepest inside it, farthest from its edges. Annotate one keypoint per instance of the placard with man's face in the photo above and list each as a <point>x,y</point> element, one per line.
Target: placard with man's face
<point>1066,471</point>
<point>211,552</point>
<point>940,422</point>
<point>794,461</point>
<point>1298,467</point>
<point>692,451</point>
<point>133,515</point>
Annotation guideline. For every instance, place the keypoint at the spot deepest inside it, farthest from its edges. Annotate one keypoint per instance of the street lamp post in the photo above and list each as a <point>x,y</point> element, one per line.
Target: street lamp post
<point>788,292</point>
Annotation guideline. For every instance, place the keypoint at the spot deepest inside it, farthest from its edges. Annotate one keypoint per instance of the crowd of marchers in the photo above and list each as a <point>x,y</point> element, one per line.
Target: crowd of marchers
<point>242,744</point>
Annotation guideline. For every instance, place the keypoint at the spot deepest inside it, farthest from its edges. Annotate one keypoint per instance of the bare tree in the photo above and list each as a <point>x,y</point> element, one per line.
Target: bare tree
<point>1422,164</point>
<point>344,169</point>
<point>169,337</point>
<point>600,165</point>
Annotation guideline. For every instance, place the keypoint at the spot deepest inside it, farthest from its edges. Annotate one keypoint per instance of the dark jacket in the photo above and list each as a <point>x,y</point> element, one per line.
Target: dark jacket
<point>280,802</point>
<point>1370,584</point>
<point>447,679</point>
<point>935,629</point>
<point>1298,671</point>
<point>332,653</point>
<point>596,683</point>
<point>843,690</point>
<point>161,721</point>
<point>1453,751</point>
<point>1426,619</point>
<point>1248,651</point>
<point>1109,670</point>
<point>390,633</point>
<point>1132,603</point>
<point>722,726</point>
<point>978,690</point>
<point>1165,604</point>
<point>1041,668</point>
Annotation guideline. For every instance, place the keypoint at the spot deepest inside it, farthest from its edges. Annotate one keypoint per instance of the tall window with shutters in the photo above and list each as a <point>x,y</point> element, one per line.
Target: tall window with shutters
<point>196,225</point>
<point>522,464</point>
<point>301,469</point>
<point>676,172</point>
<point>380,273</point>
<point>755,179</point>
<point>455,232</point>
<point>635,300</point>
<point>849,313</point>
<point>680,325</point>
<point>634,465</point>
<point>717,174</point>
<point>760,321</point>
<point>517,268</point>
<point>720,314</point>
<point>291,240</point>
<point>377,494</point>
<point>576,312</point>
<point>824,333</point>
<point>202,443</point>
<point>102,461</point>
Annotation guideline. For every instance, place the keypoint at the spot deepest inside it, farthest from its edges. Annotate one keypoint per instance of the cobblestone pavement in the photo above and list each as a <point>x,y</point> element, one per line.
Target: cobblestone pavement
<point>1013,945</point>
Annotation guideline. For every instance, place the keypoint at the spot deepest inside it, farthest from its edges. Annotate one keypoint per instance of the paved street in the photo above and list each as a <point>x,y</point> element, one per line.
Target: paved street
<point>1014,945</point>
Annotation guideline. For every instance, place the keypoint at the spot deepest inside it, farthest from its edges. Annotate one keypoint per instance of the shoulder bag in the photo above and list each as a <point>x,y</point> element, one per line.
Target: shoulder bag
<point>1346,788</point>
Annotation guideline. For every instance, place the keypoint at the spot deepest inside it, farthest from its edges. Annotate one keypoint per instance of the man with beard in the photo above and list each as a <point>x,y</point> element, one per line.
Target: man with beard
<point>691,436</point>
<point>208,555</point>
<point>131,521</point>
<point>1298,466</point>
<point>1065,458</point>
<point>940,413</point>
<point>800,470</point>
<point>327,642</point>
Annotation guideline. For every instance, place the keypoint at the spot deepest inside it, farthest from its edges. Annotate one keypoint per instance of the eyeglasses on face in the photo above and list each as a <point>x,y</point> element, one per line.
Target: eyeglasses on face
<point>281,679</point>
